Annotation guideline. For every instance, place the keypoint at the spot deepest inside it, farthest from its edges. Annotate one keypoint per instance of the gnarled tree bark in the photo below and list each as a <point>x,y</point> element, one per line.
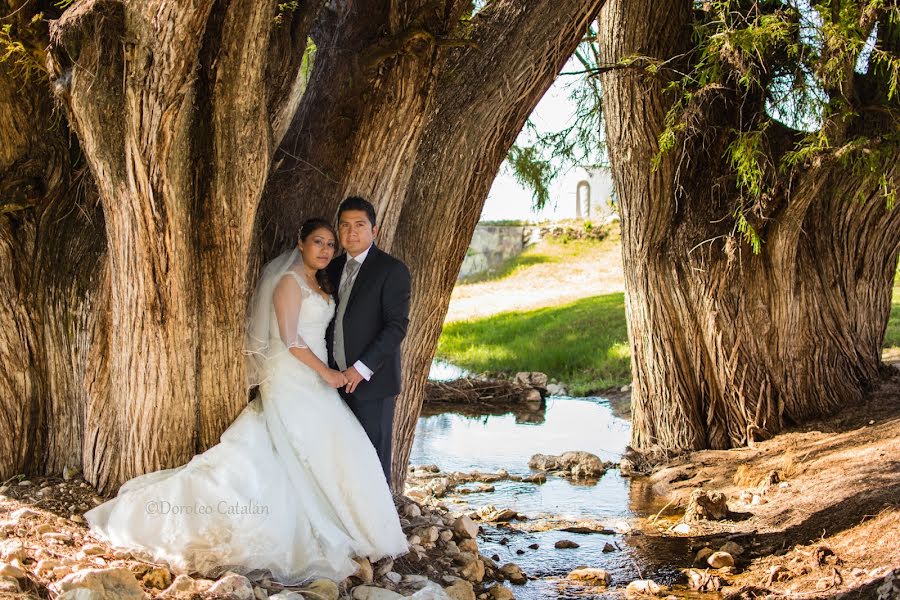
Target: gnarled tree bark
<point>729,347</point>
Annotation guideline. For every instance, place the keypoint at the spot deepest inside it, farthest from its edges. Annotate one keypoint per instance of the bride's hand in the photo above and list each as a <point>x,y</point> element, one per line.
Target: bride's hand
<point>334,378</point>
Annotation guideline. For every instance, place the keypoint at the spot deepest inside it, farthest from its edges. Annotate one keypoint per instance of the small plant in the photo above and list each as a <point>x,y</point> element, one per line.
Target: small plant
<point>285,8</point>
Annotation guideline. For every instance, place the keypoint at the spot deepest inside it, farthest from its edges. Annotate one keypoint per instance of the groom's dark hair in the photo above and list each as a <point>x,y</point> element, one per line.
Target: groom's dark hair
<point>357,203</point>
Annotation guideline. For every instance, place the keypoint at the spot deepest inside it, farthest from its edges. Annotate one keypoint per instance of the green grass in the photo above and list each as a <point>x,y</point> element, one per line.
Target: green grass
<point>892,334</point>
<point>583,344</point>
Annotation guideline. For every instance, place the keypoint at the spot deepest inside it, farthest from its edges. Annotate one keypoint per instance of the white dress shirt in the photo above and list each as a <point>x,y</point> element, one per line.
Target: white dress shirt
<point>363,370</point>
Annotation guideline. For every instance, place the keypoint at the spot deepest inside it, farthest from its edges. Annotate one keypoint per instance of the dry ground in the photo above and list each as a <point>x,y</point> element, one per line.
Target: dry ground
<point>827,520</point>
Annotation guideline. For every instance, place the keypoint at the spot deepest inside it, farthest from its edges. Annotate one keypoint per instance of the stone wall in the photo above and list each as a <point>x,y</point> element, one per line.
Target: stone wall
<point>493,244</point>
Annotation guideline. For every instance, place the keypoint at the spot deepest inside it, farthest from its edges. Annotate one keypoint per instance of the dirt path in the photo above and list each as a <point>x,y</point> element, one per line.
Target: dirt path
<point>563,279</point>
<point>826,519</point>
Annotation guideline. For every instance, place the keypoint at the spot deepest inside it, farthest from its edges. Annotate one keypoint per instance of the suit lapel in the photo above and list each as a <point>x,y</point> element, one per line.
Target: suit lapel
<point>366,270</point>
<point>334,273</point>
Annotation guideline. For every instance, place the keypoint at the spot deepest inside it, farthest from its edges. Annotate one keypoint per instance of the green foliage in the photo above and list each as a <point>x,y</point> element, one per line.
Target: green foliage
<point>583,344</point>
<point>284,10</point>
<point>580,143</point>
<point>531,171</point>
<point>790,61</point>
<point>14,52</point>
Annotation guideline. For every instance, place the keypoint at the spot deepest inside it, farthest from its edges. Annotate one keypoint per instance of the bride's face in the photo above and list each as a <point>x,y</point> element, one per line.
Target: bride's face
<point>318,248</point>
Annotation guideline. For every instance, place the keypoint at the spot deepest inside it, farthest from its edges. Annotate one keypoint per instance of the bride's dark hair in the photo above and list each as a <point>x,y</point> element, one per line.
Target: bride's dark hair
<point>309,226</point>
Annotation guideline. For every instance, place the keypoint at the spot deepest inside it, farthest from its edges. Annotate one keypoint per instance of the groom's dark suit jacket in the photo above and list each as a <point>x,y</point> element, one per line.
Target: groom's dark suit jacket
<point>375,320</point>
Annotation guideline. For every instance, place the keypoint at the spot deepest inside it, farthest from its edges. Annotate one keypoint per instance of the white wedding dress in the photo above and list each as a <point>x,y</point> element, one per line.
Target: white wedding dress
<point>294,486</point>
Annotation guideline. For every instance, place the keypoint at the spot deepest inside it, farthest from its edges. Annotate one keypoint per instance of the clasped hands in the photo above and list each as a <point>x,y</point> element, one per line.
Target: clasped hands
<point>347,379</point>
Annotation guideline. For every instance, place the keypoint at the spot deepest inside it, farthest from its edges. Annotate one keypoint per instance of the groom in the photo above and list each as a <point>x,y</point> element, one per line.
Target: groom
<point>372,313</point>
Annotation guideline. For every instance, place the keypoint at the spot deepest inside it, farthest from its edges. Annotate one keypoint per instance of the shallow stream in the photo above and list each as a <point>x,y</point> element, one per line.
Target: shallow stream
<point>487,443</point>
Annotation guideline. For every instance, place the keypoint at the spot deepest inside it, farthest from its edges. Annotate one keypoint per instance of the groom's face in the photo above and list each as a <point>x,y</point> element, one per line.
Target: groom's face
<point>356,231</point>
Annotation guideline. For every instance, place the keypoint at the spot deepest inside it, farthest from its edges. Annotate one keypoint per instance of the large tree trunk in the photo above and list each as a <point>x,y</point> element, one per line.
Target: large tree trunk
<point>727,346</point>
<point>178,116</point>
<point>482,101</point>
<point>416,111</point>
<point>51,268</point>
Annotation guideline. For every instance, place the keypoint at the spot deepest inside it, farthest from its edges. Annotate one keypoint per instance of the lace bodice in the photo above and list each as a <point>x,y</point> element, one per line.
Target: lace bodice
<point>300,315</point>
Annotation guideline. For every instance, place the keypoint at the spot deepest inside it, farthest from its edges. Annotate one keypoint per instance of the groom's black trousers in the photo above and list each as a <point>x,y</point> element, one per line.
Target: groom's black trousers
<point>377,418</point>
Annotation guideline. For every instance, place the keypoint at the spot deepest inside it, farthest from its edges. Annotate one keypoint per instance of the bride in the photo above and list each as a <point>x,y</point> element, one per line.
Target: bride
<point>294,486</point>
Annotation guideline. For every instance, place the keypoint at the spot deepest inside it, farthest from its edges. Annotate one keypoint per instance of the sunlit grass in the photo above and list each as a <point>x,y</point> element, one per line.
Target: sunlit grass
<point>583,344</point>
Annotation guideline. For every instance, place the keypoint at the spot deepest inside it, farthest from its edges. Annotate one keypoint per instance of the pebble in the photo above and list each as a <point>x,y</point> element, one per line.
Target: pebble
<point>563,544</point>
<point>682,529</point>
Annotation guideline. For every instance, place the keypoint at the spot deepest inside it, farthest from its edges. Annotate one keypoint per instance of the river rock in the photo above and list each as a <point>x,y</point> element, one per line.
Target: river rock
<point>732,548</point>
<point>367,592</point>
<point>706,505</point>
<point>469,545</point>
<point>471,567</point>
<point>428,535</point>
<point>578,464</point>
<point>364,572</point>
<point>383,566</point>
<point>593,576</point>
<point>116,583</point>
<point>7,570</point>
<point>10,585</point>
<point>159,578</point>
<point>514,573</point>
<point>607,547</point>
<point>465,528</point>
<point>412,510</point>
<point>720,560</point>
<point>93,549</point>
<point>492,514</point>
<point>460,590</point>
<point>702,555</point>
<point>532,379</point>
<point>564,544</point>
<point>643,586</point>
<point>501,592</point>
<point>184,587</point>
<point>682,529</point>
<point>233,586</point>
<point>45,567</point>
<point>438,486</point>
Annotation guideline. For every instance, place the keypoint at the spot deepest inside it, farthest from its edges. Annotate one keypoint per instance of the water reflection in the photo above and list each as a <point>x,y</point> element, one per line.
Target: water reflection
<point>476,439</point>
<point>459,442</point>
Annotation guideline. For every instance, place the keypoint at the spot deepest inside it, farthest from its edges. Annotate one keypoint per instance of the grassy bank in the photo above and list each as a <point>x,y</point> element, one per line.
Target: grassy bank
<point>584,344</point>
<point>579,336</point>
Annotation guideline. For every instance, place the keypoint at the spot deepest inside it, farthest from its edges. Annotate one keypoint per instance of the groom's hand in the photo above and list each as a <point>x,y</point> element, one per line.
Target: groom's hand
<point>353,378</point>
